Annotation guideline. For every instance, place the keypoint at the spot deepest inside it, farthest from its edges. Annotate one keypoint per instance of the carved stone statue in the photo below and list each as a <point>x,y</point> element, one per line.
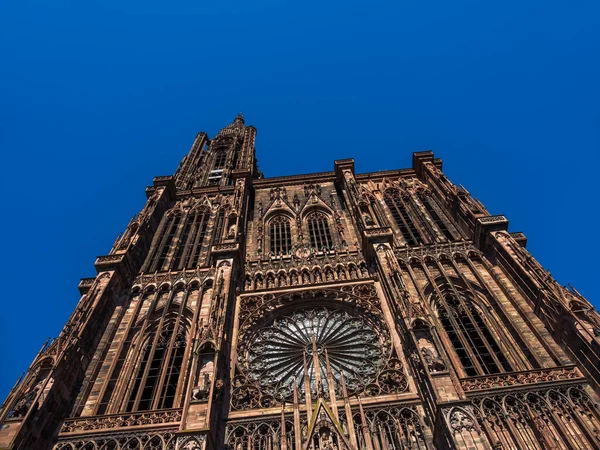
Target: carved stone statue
<point>23,405</point>
<point>231,232</point>
<point>434,363</point>
<point>368,219</point>
<point>326,441</point>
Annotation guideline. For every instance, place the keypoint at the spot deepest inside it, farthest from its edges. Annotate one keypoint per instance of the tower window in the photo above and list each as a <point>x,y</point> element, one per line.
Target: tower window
<point>281,236</point>
<point>179,244</point>
<point>427,202</point>
<point>477,349</point>
<point>220,160</point>
<point>402,218</point>
<point>162,356</point>
<point>318,229</point>
<point>191,240</point>
<point>166,241</point>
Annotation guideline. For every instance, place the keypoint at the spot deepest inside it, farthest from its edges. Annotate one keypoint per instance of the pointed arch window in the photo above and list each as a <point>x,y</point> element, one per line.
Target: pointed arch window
<point>280,235</point>
<point>399,211</point>
<point>191,240</point>
<point>219,225</point>
<point>318,230</point>
<point>441,224</point>
<point>128,341</point>
<point>470,336</point>
<point>160,365</point>
<point>179,242</point>
<point>159,259</point>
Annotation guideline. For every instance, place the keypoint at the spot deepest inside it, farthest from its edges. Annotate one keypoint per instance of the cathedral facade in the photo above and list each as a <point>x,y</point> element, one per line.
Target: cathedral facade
<point>327,311</point>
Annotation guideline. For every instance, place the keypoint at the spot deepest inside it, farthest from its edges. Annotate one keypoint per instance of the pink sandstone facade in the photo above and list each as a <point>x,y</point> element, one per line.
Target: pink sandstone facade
<point>327,311</point>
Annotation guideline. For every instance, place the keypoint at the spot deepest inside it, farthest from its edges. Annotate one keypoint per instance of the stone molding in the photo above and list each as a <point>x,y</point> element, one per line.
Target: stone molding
<point>147,418</point>
<point>515,379</point>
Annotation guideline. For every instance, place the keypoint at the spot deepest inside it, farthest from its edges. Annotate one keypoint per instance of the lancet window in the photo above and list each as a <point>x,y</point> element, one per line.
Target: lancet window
<point>136,298</point>
<point>319,232</point>
<point>191,240</point>
<point>470,335</point>
<point>399,211</point>
<point>31,388</point>
<point>179,241</point>
<point>157,371</point>
<point>427,202</point>
<point>219,225</point>
<point>280,235</point>
<point>165,240</point>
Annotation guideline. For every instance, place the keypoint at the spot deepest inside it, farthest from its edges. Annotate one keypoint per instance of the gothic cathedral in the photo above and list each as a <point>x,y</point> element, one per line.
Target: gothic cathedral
<point>327,311</point>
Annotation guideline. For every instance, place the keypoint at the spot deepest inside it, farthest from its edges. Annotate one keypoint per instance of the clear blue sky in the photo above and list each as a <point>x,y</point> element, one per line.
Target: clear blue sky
<point>97,97</point>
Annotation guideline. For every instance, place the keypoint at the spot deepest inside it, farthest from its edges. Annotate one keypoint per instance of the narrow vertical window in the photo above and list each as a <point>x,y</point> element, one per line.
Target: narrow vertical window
<point>474,344</point>
<point>402,218</point>
<point>281,236</point>
<point>147,350</point>
<point>427,202</point>
<point>162,252</point>
<point>183,247</point>
<point>172,372</point>
<point>153,373</point>
<point>161,359</point>
<point>117,371</point>
<point>191,240</point>
<point>318,230</point>
<point>220,160</point>
<point>201,222</point>
<point>180,249</point>
<point>218,228</point>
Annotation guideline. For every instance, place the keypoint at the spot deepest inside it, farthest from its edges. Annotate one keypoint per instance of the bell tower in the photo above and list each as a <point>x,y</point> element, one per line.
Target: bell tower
<point>214,162</point>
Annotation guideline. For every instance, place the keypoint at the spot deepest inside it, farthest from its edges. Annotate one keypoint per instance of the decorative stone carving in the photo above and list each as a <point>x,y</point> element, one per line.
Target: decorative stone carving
<point>196,442</point>
<point>434,363</point>
<point>347,266</point>
<point>172,416</point>
<point>24,404</point>
<point>521,378</point>
<point>460,419</point>
<point>464,247</point>
<point>255,383</point>
<point>146,440</point>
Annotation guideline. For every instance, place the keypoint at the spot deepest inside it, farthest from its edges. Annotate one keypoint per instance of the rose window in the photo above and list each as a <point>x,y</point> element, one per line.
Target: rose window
<point>282,351</point>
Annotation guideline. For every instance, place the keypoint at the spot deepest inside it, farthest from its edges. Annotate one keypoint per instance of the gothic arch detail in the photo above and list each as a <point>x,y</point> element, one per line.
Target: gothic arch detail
<point>563,418</point>
<point>402,218</point>
<point>393,428</point>
<point>181,240</point>
<point>319,231</point>
<point>280,235</point>
<point>325,311</point>
<point>469,331</point>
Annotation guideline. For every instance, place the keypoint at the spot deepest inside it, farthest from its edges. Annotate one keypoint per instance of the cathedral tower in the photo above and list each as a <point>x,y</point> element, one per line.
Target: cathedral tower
<point>327,311</point>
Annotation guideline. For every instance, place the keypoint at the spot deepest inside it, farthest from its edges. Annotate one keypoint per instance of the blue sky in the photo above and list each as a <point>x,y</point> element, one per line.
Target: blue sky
<point>98,97</point>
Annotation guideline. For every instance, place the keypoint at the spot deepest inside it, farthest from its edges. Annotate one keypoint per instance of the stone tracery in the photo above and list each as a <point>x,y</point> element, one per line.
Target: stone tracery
<point>273,347</point>
<point>285,351</point>
<point>286,308</point>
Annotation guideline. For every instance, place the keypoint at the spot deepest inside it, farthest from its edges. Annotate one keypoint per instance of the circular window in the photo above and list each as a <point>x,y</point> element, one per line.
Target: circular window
<point>289,347</point>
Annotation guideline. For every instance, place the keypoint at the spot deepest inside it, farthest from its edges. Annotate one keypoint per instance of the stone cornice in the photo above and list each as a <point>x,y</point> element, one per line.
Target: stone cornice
<point>530,378</point>
<point>435,250</point>
<point>375,176</point>
<point>120,422</point>
<point>294,179</point>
